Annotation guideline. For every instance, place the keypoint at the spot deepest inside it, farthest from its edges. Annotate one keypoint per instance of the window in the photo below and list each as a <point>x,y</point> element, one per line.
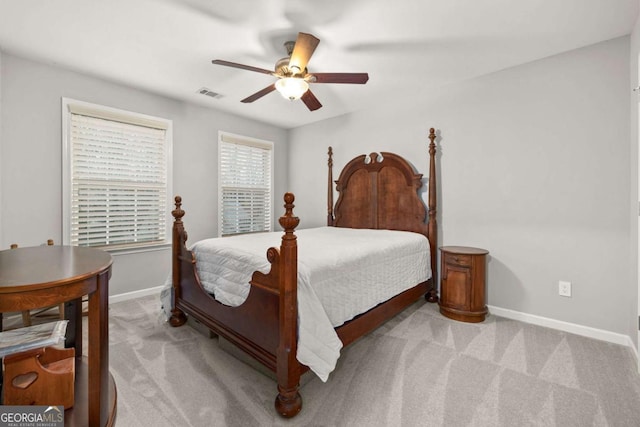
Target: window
<point>244,184</point>
<point>116,177</point>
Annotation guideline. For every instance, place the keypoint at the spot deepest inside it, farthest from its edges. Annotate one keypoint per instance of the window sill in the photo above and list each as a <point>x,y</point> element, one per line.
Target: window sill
<point>137,250</point>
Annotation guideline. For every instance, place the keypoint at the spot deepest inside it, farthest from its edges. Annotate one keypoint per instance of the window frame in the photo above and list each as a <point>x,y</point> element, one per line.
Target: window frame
<point>72,106</point>
<point>255,142</point>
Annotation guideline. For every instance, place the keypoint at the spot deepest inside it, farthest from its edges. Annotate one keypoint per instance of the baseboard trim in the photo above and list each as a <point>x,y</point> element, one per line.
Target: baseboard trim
<point>136,294</point>
<point>585,331</point>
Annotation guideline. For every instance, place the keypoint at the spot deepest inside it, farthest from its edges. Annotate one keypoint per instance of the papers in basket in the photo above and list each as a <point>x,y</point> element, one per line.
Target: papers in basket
<point>30,337</point>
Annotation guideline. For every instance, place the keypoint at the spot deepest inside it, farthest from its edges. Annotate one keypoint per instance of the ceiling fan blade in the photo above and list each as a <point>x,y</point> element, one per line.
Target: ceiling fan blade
<point>303,49</point>
<point>241,66</point>
<point>310,101</point>
<point>354,78</point>
<point>260,94</point>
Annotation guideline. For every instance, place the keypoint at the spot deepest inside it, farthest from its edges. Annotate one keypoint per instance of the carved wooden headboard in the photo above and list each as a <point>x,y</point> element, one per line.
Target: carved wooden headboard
<point>380,191</point>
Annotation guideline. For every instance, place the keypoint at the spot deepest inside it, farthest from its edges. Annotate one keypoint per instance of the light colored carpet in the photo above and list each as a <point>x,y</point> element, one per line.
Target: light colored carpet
<point>418,369</point>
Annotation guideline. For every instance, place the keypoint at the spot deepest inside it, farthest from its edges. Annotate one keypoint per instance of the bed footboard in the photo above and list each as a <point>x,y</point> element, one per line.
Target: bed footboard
<point>265,325</point>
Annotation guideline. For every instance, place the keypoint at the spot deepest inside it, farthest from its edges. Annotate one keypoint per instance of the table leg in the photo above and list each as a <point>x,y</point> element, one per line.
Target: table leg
<point>73,313</point>
<point>99,352</point>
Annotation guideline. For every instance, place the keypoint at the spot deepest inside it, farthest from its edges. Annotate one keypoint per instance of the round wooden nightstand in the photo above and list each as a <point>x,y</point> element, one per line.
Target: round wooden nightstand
<point>463,283</point>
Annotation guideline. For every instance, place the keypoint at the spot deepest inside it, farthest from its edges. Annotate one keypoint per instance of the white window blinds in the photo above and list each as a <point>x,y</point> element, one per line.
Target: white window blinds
<point>118,168</point>
<point>245,180</point>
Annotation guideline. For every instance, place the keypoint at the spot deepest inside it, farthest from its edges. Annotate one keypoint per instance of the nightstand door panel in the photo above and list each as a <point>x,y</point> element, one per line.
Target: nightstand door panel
<point>456,287</point>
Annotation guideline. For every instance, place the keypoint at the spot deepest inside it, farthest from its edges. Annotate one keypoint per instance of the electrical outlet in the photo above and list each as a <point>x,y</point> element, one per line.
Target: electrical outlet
<point>564,288</point>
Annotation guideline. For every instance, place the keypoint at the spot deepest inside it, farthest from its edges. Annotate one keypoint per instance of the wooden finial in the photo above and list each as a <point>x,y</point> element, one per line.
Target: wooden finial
<point>289,198</point>
<point>178,213</point>
<point>288,221</point>
<point>432,137</point>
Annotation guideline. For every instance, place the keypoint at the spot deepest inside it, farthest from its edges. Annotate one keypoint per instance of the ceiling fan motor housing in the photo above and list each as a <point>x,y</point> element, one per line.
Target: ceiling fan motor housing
<point>282,69</point>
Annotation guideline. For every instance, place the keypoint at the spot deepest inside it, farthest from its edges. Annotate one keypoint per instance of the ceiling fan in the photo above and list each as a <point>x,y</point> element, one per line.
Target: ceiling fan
<point>293,76</point>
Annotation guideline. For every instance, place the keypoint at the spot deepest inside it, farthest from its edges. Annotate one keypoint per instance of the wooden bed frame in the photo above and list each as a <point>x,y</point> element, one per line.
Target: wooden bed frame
<point>374,192</point>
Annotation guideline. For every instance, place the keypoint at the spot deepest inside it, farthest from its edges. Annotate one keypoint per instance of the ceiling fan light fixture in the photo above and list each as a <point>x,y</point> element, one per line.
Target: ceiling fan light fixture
<point>293,77</point>
<point>292,88</point>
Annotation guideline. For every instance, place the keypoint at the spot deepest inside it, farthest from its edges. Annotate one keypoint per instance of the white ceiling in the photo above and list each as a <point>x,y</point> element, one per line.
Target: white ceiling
<point>166,46</point>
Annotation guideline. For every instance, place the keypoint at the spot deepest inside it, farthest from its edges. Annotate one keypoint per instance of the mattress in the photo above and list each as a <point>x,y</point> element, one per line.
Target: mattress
<point>342,272</point>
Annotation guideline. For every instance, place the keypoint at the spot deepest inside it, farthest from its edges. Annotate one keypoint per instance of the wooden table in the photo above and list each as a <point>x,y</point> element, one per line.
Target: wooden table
<point>42,276</point>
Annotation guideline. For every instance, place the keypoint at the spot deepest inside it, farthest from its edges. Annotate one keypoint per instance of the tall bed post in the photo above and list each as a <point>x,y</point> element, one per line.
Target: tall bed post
<point>288,402</point>
<point>177,318</point>
<point>432,295</point>
<point>330,189</point>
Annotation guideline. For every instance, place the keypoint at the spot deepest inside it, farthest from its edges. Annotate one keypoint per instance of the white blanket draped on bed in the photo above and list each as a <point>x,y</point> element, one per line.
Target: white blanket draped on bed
<point>342,272</point>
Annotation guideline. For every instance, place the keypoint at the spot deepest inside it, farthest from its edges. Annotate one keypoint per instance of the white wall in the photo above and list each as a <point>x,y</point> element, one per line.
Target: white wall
<point>0,145</point>
<point>634,162</point>
<point>533,167</point>
<point>31,170</point>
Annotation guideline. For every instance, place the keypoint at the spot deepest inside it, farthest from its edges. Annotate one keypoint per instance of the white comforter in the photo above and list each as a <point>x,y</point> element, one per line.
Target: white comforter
<point>342,272</point>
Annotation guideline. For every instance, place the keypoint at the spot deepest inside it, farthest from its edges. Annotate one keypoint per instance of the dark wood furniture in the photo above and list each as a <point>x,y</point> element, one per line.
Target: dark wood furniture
<point>463,283</point>
<point>40,376</point>
<point>26,315</point>
<point>44,276</point>
<point>377,193</point>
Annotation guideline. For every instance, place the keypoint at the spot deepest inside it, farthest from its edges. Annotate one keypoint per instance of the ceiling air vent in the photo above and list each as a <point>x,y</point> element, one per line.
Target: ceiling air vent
<point>207,92</point>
